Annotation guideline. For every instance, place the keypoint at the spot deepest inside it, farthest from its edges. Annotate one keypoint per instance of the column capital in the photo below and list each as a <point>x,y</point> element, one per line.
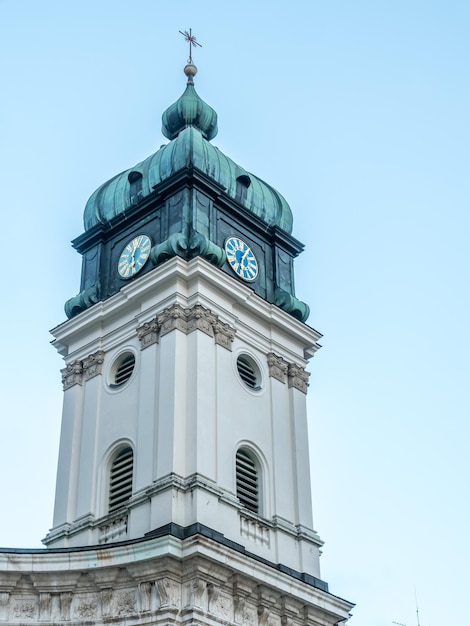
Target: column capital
<point>93,364</point>
<point>72,374</point>
<point>297,377</point>
<point>277,367</point>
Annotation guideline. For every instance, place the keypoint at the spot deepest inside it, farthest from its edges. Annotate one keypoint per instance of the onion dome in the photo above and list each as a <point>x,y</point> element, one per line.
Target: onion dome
<point>189,110</point>
<point>189,123</point>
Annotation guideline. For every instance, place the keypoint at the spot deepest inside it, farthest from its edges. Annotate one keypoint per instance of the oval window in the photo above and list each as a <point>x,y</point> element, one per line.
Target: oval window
<point>122,369</point>
<point>249,372</point>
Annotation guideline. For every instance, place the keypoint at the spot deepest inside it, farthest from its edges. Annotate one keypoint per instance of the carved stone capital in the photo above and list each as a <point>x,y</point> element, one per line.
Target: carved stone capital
<point>72,375</point>
<point>187,321</point>
<point>277,367</point>
<point>224,335</point>
<point>175,317</point>
<point>297,377</point>
<point>200,318</point>
<point>92,365</point>
<point>148,334</point>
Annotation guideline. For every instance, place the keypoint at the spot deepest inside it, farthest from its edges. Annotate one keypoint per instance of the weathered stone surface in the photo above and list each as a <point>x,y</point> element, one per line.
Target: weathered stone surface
<point>145,583</point>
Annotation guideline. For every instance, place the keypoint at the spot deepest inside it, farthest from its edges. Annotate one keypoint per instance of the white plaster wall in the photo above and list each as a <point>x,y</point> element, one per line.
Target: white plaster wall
<point>185,411</point>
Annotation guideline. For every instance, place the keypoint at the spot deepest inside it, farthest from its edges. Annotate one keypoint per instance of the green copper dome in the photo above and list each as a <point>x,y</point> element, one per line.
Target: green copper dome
<point>189,110</point>
<point>189,123</point>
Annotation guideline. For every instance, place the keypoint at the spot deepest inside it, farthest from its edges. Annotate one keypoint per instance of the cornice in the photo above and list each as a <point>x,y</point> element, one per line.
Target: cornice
<point>179,574</point>
<point>188,284</point>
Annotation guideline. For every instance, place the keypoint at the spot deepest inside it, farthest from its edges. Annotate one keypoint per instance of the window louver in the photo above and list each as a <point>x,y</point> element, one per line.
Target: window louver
<point>124,370</point>
<point>247,481</point>
<point>247,372</point>
<point>120,480</point>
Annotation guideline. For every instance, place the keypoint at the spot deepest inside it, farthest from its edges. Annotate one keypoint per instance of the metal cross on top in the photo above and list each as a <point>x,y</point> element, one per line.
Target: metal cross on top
<point>191,39</point>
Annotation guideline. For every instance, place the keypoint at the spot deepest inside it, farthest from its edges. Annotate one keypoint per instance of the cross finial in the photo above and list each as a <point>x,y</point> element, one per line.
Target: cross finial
<point>191,39</point>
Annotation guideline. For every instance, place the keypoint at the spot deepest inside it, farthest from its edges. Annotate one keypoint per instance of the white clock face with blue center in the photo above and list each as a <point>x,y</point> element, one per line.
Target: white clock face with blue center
<point>241,259</point>
<point>134,256</point>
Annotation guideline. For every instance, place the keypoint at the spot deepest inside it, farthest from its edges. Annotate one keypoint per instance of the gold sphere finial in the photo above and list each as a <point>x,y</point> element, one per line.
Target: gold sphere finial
<point>190,70</point>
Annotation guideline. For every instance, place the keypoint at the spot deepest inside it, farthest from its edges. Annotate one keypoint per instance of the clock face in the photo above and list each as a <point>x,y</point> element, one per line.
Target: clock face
<point>134,256</point>
<point>241,259</point>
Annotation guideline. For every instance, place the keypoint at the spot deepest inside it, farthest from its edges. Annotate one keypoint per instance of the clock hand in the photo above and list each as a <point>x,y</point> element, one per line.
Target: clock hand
<point>133,253</point>
<point>245,254</point>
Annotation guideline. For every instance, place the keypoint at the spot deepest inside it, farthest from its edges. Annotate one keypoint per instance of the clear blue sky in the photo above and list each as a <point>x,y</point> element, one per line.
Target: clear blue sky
<point>357,111</point>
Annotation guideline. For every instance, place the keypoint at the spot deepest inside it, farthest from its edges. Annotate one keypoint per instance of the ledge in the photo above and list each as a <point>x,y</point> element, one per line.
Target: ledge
<point>177,532</point>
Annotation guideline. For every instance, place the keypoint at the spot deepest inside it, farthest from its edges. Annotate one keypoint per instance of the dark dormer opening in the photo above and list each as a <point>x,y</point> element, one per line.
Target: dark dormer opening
<point>135,186</point>
<point>243,182</point>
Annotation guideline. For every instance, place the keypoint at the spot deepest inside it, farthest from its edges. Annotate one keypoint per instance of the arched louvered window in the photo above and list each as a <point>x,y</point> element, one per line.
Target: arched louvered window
<point>120,479</point>
<point>247,481</point>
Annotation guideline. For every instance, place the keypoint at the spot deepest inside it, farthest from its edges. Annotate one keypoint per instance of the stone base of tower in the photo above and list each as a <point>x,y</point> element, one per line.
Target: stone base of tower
<point>161,580</point>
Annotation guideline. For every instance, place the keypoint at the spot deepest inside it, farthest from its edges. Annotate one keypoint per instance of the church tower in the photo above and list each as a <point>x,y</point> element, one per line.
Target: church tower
<point>184,427</point>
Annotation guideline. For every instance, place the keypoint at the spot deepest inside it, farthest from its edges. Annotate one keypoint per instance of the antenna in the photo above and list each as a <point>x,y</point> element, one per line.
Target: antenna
<point>417,610</point>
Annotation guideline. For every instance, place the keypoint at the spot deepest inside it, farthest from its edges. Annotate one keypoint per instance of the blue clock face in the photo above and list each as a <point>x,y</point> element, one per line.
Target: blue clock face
<point>241,259</point>
<point>134,256</point>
